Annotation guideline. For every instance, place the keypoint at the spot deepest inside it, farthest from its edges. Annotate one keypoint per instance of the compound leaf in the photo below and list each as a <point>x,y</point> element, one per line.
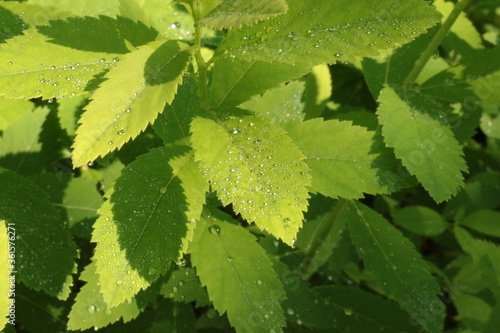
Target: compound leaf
<point>142,226</point>
<point>253,164</point>
<point>230,14</point>
<point>399,268</point>
<point>235,81</point>
<point>134,93</point>
<point>55,71</point>
<point>315,32</point>
<point>352,163</point>
<point>45,251</point>
<point>238,274</point>
<point>426,147</point>
<point>90,310</point>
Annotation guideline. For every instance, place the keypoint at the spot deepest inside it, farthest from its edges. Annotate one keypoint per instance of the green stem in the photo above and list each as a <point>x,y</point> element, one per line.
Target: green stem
<point>320,237</point>
<point>434,44</point>
<point>202,70</point>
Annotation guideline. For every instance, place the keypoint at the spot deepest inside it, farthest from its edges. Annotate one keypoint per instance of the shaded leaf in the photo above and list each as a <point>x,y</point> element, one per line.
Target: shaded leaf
<point>420,220</point>
<point>133,95</point>
<point>142,226</point>
<point>90,310</point>
<point>483,221</point>
<point>45,251</point>
<point>103,34</point>
<point>235,81</point>
<point>230,14</point>
<point>184,286</point>
<point>12,110</point>
<point>253,164</point>
<point>399,268</point>
<point>56,71</point>
<point>352,162</point>
<point>427,148</point>
<point>315,32</point>
<point>20,145</point>
<point>318,90</point>
<point>238,274</point>
<point>174,317</point>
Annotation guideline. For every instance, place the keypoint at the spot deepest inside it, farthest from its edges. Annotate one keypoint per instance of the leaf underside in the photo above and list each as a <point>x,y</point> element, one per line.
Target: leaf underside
<point>253,164</point>
<point>134,93</point>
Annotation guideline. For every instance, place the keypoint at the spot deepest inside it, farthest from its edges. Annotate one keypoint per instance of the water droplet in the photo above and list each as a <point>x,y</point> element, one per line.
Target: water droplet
<point>348,311</point>
<point>214,229</point>
<point>175,25</point>
<point>10,63</point>
<point>151,271</point>
<point>119,282</point>
<point>260,283</point>
<point>230,259</point>
<point>237,130</point>
<point>163,189</point>
<point>290,311</point>
<point>91,309</point>
<point>110,142</point>
<point>121,132</point>
<point>181,262</point>
<point>55,84</point>
<point>287,220</point>
<point>90,163</point>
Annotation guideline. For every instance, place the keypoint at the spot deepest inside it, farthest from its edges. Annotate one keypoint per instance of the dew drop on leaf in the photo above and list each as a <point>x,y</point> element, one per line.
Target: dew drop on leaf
<point>91,309</point>
<point>348,311</point>
<point>259,282</point>
<point>181,262</point>
<point>214,229</point>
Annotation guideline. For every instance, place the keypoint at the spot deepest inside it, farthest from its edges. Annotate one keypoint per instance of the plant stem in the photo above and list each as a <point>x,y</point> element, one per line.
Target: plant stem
<point>434,44</point>
<point>202,70</point>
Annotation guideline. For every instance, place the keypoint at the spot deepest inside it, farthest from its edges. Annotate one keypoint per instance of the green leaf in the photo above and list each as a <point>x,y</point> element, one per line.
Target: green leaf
<point>353,162</point>
<point>420,220</point>
<point>316,32</point>
<point>358,311</point>
<point>281,105</point>
<point>172,125</point>
<point>483,221</point>
<point>238,274</point>
<point>473,312</point>
<point>10,24</point>
<point>320,237</point>
<point>7,239</point>
<point>90,310</point>
<point>318,91</point>
<point>231,14</point>
<point>235,81</point>
<point>45,251</point>
<point>168,17</point>
<point>134,93</point>
<point>174,317</point>
<point>35,309</point>
<point>104,34</point>
<point>56,71</point>
<point>76,8</point>
<point>68,112</point>
<point>184,286</point>
<point>427,148</point>
<point>486,256</point>
<point>20,145</point>
<point>199,8</point>
<point>399,268</point>
<point>12,110</point>
<point>142,226</point>
<point>81,201</point>
<point>253,164</point>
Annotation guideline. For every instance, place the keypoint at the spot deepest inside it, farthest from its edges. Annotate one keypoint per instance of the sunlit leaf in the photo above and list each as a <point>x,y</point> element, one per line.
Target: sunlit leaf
<point>315,32</point>
<point>253,164</point>
<point>134,93</point>
<point>234,14</point>
<point>238,274</point>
